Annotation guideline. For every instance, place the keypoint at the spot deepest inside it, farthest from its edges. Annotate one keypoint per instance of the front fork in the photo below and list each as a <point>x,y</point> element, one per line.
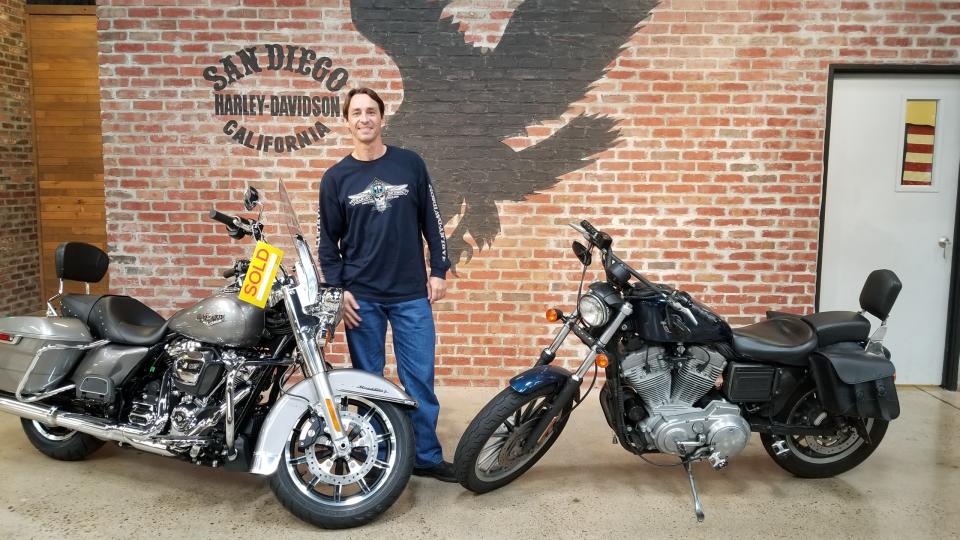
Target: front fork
<point>573,383</point>
<point>314,369</point>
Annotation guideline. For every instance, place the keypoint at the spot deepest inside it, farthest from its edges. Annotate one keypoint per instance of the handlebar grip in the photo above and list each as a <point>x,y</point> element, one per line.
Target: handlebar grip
<point>589,228</point>
<point>222,218</point>
<point>230,273</point>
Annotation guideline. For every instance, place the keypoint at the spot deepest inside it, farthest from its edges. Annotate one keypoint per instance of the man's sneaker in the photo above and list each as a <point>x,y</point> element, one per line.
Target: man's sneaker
<point>442,471</point>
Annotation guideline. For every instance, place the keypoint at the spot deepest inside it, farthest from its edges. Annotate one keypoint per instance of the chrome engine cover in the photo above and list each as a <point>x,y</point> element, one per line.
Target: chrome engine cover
<point>669,385</point>
<point>683,430</point>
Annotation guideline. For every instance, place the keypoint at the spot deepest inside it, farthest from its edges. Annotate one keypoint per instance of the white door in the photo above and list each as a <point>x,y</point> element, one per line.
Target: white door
<point>877,217</point>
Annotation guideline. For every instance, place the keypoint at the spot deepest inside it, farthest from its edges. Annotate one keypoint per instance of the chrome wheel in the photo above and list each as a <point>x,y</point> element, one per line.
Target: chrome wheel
<point>820,449</point>
<point>53,433</point>
<point>320,474</point>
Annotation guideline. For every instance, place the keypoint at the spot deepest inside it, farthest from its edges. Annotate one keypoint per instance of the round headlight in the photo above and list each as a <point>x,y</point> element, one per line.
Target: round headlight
<point>593,311</point>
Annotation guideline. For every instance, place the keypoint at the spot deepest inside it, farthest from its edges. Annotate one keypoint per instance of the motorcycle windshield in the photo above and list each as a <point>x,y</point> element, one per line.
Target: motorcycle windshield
<point>282,230</point>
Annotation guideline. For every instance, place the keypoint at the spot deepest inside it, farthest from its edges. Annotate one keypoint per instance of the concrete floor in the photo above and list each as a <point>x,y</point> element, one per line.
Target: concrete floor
<point>584,487</point>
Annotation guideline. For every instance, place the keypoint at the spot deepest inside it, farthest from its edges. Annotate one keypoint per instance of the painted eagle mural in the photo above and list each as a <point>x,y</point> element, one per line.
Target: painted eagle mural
<point>461,102</point>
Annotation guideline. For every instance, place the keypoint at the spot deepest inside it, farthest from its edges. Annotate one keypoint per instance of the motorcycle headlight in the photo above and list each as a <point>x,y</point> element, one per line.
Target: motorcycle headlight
<point>593,311</point>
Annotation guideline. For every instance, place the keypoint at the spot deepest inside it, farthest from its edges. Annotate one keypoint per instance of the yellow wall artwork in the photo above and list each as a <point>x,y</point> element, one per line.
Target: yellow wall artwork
<point>919,133</point>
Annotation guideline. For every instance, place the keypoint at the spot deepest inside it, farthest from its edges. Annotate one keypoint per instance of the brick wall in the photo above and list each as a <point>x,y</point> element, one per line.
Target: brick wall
<point>19,261</point>
<point>695,140</point>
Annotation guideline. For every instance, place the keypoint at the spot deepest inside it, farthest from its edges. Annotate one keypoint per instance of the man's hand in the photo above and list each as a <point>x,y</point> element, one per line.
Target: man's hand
<point>436,289</point>
<point>350,306</point>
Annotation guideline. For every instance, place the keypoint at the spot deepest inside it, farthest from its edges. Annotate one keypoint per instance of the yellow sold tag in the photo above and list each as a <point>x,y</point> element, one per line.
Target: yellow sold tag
<point>263,269</point>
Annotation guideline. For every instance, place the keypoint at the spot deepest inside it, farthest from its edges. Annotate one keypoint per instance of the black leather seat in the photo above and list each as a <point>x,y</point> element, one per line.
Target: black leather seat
<point>783,340</point>
<point>120,319</point>
<point>877,297</point>
<point>838,326</point>
<point>126,321</point>
<point>79,306</point>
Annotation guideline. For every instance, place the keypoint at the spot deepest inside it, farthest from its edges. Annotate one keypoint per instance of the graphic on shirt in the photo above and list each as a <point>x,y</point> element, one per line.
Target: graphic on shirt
<point>379,194</point>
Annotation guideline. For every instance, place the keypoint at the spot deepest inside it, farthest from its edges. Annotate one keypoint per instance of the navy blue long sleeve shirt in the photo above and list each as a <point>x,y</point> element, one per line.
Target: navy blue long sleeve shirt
<point>372,221</point>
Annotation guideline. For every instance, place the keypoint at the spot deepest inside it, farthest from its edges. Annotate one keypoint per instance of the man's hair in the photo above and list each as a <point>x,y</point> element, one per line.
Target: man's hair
<point>362,90</point>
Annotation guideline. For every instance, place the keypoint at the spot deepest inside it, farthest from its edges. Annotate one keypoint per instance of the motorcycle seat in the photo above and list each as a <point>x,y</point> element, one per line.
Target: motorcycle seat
<point>782,340</point>
<point>838,326</point>
<point>119,319</point>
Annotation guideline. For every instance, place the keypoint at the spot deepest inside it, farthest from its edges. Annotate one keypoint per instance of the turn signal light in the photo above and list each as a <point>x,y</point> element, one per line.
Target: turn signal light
<point>553,315</point>
<point>602,360</point>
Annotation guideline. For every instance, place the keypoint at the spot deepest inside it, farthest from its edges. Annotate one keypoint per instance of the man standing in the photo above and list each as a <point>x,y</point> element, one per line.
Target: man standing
<point>376,206</point>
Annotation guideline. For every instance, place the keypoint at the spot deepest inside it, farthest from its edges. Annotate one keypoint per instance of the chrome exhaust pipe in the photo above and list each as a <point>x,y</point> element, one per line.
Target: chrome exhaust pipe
<point>91,425</point>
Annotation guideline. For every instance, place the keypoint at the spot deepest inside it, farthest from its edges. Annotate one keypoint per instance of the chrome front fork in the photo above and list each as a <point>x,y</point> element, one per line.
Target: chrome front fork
<point>595,345</point>
<point>625,310</point>
<point>314,369</point>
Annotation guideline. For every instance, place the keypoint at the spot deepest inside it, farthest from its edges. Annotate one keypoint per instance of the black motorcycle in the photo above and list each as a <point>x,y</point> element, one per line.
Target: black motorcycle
<point>818,388</point>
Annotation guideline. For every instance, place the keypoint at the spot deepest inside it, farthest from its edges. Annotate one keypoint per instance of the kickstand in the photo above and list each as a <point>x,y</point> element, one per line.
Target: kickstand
<point>693,489</point>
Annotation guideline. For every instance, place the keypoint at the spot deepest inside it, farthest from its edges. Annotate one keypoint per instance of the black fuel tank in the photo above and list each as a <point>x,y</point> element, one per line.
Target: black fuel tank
<point>654,320</point>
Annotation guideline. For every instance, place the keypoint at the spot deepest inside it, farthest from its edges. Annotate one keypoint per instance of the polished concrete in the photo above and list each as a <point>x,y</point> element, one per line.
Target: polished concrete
<point>584,488</point>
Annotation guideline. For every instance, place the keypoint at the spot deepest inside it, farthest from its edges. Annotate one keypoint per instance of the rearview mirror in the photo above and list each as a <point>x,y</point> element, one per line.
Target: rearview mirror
<point>582,253</point>
<point>251,198</point>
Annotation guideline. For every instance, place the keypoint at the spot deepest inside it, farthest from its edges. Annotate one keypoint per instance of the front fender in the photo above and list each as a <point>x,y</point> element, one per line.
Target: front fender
<point>538,377</point>
<point>288,410</point>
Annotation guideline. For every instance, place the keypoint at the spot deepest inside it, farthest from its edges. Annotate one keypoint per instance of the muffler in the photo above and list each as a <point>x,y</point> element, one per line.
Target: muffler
<point>91,425</point>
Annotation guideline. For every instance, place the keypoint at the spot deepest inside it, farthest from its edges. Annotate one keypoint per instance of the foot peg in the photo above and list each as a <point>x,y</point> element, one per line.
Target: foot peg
<point>697,507</point>
<point>780,448</point>
<point>717,461</point>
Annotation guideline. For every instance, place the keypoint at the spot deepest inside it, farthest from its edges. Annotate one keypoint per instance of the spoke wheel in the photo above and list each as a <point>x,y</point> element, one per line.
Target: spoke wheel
<point>504,452</point>
<point>337,490</point>
<point>492,451</point>
<point>822,456</point>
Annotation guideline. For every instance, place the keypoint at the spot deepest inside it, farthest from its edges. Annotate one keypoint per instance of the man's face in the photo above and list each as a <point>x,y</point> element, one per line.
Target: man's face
<point>364,118</point>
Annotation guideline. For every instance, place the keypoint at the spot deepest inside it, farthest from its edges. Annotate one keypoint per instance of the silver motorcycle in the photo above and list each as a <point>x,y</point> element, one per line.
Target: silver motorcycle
<point>211,385</point>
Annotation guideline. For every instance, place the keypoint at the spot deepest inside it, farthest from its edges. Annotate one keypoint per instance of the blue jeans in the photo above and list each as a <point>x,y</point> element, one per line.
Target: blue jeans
<point>414,345</point>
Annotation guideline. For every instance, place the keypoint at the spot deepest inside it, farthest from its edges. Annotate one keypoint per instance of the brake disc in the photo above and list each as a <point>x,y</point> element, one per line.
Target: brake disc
<point>324,468</point>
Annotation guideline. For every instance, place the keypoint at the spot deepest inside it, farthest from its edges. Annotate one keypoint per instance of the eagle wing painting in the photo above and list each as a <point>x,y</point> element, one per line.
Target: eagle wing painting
<point>461,102</point>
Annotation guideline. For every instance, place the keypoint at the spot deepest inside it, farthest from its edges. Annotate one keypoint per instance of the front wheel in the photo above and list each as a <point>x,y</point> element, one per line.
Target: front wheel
<point>347,491</point>
<point>810,456</point>
<point>491,452</point>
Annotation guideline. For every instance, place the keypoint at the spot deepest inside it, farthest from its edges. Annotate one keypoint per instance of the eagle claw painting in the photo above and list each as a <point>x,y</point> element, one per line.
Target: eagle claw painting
<point>461,102</point>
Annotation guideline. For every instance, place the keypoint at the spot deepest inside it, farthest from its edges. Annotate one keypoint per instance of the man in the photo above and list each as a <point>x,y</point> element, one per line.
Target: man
<point>376,206</point>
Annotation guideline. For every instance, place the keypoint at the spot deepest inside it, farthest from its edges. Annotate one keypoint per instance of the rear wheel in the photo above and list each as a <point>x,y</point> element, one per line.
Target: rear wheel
<point>60,443</point>
<point>810,456</point>
<point>491,452</point>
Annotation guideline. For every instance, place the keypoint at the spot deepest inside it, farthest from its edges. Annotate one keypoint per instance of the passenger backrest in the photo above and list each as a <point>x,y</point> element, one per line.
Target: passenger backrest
<point>77,261</point>
<point>879,293</point>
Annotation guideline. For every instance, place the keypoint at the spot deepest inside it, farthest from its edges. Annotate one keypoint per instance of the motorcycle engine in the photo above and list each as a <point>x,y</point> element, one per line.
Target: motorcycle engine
<point>669,385</point>
<point>196,401</point>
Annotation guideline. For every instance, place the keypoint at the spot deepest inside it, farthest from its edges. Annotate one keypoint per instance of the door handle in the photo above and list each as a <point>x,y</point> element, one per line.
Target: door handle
<point>943,243</point>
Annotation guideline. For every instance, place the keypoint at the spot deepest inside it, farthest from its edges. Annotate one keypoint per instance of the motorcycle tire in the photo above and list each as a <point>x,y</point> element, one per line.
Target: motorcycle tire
<point>60,443</point>
<point>508,404</point>
<point>322,510</point>
<point>820,457</point>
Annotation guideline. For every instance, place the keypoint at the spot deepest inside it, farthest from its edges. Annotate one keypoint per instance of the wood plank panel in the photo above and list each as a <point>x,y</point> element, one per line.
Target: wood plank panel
<point>69,148</point>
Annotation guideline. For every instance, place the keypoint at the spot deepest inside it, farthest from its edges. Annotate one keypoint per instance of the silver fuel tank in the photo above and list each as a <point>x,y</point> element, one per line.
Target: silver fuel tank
<point>221,319</point>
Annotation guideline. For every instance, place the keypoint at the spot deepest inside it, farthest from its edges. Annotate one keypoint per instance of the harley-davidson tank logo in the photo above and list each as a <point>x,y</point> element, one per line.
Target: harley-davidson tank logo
<point>210,319</point>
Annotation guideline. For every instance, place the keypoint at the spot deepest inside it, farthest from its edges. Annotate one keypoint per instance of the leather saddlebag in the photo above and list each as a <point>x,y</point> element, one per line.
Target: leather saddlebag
<point>853,382</point>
